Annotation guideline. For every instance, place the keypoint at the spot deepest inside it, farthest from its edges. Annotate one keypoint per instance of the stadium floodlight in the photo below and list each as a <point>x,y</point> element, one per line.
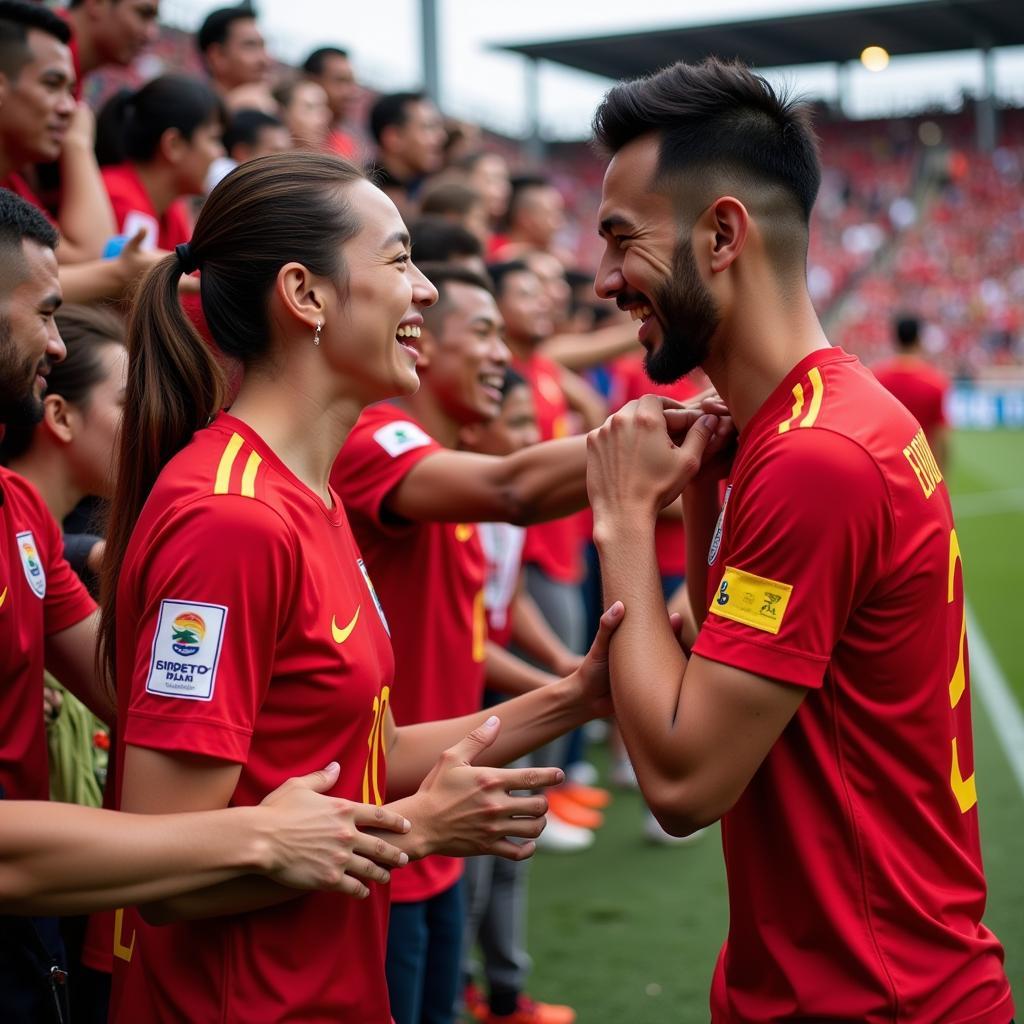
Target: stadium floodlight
<point>874,58</point>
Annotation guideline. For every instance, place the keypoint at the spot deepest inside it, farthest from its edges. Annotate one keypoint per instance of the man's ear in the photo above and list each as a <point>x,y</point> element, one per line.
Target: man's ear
<point>729,220</point>
<point>59,418</point>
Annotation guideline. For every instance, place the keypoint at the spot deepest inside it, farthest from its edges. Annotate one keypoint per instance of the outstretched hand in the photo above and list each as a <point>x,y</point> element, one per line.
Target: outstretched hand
<point>317,842</point>
<point>468,810</point>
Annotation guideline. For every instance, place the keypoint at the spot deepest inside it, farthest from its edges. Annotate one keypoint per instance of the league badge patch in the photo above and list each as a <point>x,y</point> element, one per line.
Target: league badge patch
<point>32,563</point>
<point>186,649</point>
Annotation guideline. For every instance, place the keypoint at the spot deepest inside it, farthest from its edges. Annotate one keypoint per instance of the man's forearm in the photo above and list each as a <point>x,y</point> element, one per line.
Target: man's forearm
<point>532,634</point>
<point>510,675</point>
<point>548,480</point>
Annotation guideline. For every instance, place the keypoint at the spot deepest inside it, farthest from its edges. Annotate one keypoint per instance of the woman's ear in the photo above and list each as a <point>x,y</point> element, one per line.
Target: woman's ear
<point>59,418</point>
<point>300,295</point>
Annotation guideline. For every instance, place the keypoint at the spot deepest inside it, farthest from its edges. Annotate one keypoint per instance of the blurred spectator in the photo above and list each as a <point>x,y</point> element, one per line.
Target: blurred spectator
<point>109,32</point>
<point>305,113</point>
<point>331,69</point>
<point>458,203</point>
<point>536,214</point>
<point>488,174</point>
<point>440,240</point>
<point>918,385</point>
<point>462,138</point>
<point>252,133</point>
<point>235,56</point>
<point>410,138</point>
<point>157,145</point>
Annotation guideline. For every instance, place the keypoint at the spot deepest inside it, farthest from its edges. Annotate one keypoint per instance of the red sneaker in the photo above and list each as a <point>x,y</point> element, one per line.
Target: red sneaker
<point>474,1005</point>
<point>529,1011</point>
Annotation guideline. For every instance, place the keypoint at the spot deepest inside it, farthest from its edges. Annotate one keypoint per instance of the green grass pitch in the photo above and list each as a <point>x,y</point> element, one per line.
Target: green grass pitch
<point>628,933</point>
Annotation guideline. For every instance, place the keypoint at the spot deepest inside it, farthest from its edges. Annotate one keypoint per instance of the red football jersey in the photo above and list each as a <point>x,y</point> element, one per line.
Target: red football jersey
<point>554,546</point>
<point>20,187</point>
<point>920,387</point>
<point>133,209</point>
<point>632,382</point>
<point>248,631</point>
<point>39,595</point>
<point>855,881</point>
<point>430,577</point>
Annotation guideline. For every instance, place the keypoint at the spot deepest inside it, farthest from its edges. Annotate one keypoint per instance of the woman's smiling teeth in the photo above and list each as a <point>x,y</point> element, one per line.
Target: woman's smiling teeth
<point>410,331</point>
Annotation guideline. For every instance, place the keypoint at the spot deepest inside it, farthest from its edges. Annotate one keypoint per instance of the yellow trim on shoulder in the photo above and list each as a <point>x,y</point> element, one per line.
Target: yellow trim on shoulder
<point>817,394</point>
<point>798,407</point>
<point>252,466</point>
<point>227,460</point>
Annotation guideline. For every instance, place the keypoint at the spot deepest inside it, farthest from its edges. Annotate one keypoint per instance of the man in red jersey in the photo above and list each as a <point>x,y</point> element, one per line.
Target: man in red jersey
<point>823,711</point>
<point>918,385</point>
<point>412,502</point>
<point>331,68</point>
<point>108,33</point>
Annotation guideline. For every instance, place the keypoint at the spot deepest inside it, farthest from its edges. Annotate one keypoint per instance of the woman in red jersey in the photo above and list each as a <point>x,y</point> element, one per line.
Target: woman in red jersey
<point>155,147</point>
<point>243,628</point>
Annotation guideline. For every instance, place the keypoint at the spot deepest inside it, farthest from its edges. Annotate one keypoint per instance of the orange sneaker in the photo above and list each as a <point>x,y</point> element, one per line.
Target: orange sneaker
<point>528,1011</point>
<point>561,805</point>
<point>587,796</point>
<point>474,1005</point>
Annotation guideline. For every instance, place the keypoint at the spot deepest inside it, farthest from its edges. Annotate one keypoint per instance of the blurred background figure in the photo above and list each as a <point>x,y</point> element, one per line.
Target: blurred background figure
<point>331,68</point>
<point>234,54</point>
<point>305,113</point>
<point>110,33</point>
<point>460,204</point>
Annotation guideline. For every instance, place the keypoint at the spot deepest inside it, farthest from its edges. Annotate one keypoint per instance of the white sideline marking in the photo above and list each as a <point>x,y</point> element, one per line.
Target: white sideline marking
<point>989,682</point>
<point>988,503</point>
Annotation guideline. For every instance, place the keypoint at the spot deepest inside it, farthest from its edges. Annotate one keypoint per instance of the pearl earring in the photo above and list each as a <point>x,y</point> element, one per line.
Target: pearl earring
<point>316,333</point>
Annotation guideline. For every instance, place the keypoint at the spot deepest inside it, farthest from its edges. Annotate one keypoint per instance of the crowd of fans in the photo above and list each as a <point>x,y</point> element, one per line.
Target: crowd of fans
<point>122,174</point>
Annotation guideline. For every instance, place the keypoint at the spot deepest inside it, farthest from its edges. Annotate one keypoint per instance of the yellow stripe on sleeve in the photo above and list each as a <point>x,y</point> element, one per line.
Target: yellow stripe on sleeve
<point>798,407</point>
<point>252,466</point>
<point>227,460</point>
<point>817,394</point>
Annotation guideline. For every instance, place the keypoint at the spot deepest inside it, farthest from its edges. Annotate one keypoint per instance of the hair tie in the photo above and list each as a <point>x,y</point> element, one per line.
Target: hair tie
<point>186,259</point>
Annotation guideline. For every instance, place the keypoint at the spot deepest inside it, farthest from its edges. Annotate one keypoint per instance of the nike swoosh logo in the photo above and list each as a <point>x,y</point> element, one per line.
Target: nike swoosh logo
<point>341,635</point>
<point>3,597</point>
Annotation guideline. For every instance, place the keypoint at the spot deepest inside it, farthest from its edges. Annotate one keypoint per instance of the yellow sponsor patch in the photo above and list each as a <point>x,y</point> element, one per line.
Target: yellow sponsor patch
<point>752,600</point>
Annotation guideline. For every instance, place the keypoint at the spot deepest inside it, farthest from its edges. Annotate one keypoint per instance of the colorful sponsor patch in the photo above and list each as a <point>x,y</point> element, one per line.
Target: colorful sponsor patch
<point>186,649</point>
<point>716,540</point>
<point>400,437</point>
<point>373,594</point>
<point>32,563</point>
<point>753,600</point>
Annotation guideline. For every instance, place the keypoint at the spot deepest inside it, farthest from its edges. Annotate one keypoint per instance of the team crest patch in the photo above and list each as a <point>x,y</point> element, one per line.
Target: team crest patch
<point>373,594</point>
<point>753,600</point>
<point>186,649</point>
<point>32,563</point>
<point>400,437</point>
<point>716,540</point>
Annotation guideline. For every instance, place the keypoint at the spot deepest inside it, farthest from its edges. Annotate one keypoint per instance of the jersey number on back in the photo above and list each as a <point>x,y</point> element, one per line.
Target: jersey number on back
<point>964,790</point>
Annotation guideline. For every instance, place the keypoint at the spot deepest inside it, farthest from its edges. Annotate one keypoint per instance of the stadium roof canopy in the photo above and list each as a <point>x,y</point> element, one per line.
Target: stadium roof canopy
<point>834,36</point>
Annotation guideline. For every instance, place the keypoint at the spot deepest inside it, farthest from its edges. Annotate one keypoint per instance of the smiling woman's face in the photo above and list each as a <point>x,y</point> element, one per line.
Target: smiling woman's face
<point>384,294</point>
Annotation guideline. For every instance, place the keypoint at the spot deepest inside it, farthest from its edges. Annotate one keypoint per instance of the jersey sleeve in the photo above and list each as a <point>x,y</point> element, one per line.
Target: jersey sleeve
<point>66,602</point>
<point>378,453</point>
<point>810,533</point>
<point>215,592</point>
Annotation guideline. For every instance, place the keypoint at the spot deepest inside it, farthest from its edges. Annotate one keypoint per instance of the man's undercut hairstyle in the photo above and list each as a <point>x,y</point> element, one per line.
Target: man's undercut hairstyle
<point>721,128</point>
<point>436,239</point>
<point>16,18</point>
<point>442,276</point>
<point>20,220</point>
<point>316,62</point>
<point>501,272</point>
<point>392,109</point>
<point>215,30</point>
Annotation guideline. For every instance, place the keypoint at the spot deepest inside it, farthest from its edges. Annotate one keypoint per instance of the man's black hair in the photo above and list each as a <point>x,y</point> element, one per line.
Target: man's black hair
<point>720,126</point>
<point>907,330</point>
<point>437,239</point>
<point>245,126</point>
<point>315,63</point>
<point>216,28</point>
<point>501,272</point>
<point>441,275</point>
<point>521,184</point>
<point>19,220</point>
<point>513,379</point>
<point>17,17</point>
<point>392,109</point>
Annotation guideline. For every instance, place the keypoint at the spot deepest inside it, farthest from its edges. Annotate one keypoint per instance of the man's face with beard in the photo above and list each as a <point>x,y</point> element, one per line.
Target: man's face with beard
<point>650,269</point>
<point>29,340</point>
